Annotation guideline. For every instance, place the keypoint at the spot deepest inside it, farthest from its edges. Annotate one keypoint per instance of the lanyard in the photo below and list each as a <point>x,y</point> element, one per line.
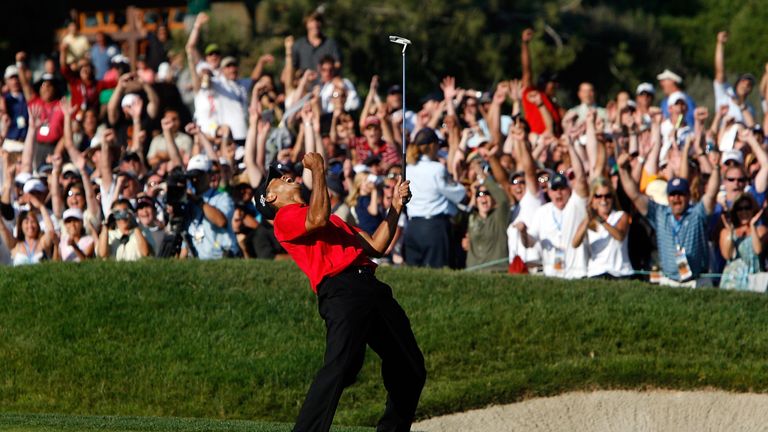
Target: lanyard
<point>30,251</point>
<point>558,223</point>
<point>677,226</point>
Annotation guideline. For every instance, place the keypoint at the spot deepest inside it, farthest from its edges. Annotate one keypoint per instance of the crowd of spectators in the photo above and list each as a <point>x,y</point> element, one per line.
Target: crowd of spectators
<point>100,158</point>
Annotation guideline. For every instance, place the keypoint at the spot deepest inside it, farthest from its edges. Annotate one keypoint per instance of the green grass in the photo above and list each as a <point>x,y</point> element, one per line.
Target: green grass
<point>241,340</point>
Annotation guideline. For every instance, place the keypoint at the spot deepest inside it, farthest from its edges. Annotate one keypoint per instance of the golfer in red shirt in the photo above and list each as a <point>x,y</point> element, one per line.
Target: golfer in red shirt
<point>357,308</point>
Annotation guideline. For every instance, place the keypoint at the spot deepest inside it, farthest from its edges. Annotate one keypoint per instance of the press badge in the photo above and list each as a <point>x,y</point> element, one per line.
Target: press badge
<point>559,264</point>
<point>683,269</point>
<point>199,234</point>
<point>44,130</point>
<point>21,122</point>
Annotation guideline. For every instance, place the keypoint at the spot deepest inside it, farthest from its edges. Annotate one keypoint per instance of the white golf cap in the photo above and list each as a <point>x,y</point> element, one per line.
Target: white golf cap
<point>119,58</point>
<point>129,100</point>
<point>645,87</point>
<point>733,155</point>
<point>69,167</point>
<point>676,97</point>
<point>10,71</point>
<point>477,140</point>
<point>22,178</point>
<point>72,213</point>
<point>163,71</point>
<point>669,75</point>
<point>199,162</point>
<point>203,67</point>
<point>34,185</point>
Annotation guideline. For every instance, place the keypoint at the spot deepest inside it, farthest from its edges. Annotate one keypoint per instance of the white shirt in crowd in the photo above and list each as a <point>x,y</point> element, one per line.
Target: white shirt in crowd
<point>326,97</point>
<point>725,95</point>
<point>525,213</point>
<point>606,254</point>
<point>553,230</point>
<point>225,103</point>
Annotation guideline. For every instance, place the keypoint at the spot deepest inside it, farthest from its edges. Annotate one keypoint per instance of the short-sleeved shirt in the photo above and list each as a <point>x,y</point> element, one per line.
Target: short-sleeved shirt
<point>16,107</point>
<point>554,229</point>
<point>306,56</point>
<point>690,233</point>
<point>323,252</point>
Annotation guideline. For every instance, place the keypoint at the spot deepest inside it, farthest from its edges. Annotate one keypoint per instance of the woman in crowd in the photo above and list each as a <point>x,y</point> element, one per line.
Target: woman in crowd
<point>31,245</point>
<point>605,230</point>
<point>741,242</point>
<point>364,200</point>
<point>75,245</point>
<point>486,239</point>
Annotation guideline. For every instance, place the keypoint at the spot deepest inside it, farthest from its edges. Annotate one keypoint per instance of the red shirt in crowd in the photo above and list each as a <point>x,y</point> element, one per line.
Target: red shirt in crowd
<point>82,95</point>
<point>386,151</point>
<point>532,114</point>
<point>326,251</point>
<point>51,121</point>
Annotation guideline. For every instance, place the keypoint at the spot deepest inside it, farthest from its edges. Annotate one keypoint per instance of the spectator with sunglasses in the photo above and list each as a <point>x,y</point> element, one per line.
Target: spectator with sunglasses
<point>605,231</point>
<point>681,235</point>
<point>486,238</point>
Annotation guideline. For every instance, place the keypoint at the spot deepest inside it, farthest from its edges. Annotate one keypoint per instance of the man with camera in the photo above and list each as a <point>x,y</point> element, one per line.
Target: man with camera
<point>209,235</point>
<point>121,237</point>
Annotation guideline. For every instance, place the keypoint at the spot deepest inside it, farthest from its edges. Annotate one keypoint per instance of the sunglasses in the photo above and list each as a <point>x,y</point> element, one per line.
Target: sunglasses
<point>519,181</point>
<point>482,193</point>
<point>543,179</point>
<point>73,193</point>
<point>737,179</point>
<point>603,196</point>
<point>743,208</point>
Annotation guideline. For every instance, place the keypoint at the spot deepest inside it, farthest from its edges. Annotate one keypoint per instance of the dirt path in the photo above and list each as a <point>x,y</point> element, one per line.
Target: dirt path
<point>609,411</point>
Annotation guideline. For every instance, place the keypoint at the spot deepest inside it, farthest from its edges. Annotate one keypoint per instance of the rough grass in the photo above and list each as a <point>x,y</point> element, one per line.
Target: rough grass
<point>241,340</point>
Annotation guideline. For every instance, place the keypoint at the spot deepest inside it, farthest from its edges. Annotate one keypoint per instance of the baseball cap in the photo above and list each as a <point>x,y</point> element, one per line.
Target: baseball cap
<point>477,140</point>
<point>669,75</point>
<point>47,77</point>
<point>425,136</point>
<point>678,186</point>
<point>371,121</point>
<point>395,89</point>
<point>144,201</point>
<point>199,162</point>
<point>34,185</point>
<point>228,61</point>
<point>676,97</point>
<point>22,178</point>
<point>72,213</point>
<point>266,210</point>
<point>70,168</point>
<point>10,71</point>
<point>212,49</point>
<point>645,87</point>
<point>558,181</point>
<point>733,155</point>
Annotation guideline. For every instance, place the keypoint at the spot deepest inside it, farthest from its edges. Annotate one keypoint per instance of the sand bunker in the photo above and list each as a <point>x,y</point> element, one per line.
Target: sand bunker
<point>604,411</point>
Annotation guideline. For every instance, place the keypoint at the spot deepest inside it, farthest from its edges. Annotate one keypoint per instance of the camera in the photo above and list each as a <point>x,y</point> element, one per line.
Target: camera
<point>376,180</point>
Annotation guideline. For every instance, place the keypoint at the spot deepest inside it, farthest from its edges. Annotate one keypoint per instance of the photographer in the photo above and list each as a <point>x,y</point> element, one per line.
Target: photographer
<point>121,237</point>
<point>208,213</point>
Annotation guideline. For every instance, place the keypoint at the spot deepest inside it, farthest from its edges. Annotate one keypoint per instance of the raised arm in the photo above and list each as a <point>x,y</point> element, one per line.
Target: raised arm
<point>722,38</point>
<point>57,202</point>
<point>525,159</point>
<point>191,47</point>
<point>153,101</point>
<point>580,177</point>
<point>713,186</point>
<point>652,161</point>
<point>525,57</point>
<point>640,200</point>
<point>370,102</point>
<point>319,202</point>
<point>26,86</point>
<point>252,167</point>
<point>28,153</point>
<point>288,69</point>
<point>113,106</point>
<point>258,70</point>
<point>761,179</point>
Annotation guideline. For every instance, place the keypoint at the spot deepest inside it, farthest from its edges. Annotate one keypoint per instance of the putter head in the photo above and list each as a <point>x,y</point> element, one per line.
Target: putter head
<point>399,40</point>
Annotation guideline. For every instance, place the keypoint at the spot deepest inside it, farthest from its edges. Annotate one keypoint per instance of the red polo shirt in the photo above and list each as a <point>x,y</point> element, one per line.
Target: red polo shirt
<point>326,251</point>
<point>532,114</point>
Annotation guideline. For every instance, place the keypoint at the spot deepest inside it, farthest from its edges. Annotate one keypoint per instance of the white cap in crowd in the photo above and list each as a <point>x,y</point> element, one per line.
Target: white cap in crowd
<point>72,213</point>
<point>10,71</point>
<point>733,155</point>
<point>645,87</point>
<point>669,75</point>
<point>676,97</point>
<point>34,185</point>
<point>199,162</point>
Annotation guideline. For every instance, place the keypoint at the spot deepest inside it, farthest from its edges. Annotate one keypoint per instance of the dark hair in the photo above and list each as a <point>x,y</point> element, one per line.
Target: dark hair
<point>314,16</point>
<point>123,201</point>
<point>23,215</point>
<point>327,59</point>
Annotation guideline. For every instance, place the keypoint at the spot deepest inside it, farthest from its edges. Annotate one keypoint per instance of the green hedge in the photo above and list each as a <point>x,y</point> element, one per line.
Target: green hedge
<point>242,339</point>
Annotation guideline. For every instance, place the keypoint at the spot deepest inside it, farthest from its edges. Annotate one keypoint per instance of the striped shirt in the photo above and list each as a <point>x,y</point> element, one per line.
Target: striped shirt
<point>386,151</point>
<point>690,233</point>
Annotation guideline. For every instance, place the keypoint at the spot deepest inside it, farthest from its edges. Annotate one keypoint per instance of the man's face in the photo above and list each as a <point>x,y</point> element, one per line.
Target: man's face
<point>517,186</point>
<point>314,27</point>
<point>559,197</point>
<point>668,86</point>
<point>281,189</point>
<point>735,180</point>
<point>213,59</point>
<point>230,72</point>
<point>46,91</point>
<point>146,215</point>
<point>586,93</point>
<point>326,71</point>
<point>174,117</point>
<point>678,202</point>
<point>14,85</point>
<point>744,87</point>
<point>372,134</point>
<point>644,99</point>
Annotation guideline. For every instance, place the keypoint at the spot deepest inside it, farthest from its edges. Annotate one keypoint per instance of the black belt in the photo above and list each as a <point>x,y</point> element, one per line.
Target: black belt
<point>437,216</point>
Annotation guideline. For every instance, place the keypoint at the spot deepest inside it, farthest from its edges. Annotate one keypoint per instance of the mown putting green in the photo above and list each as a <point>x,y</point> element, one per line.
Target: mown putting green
<point>241,340</point>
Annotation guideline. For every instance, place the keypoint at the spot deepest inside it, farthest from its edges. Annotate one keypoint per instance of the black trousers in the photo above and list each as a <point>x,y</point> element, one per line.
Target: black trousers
<point>427,242</point>
<point>359,310</point>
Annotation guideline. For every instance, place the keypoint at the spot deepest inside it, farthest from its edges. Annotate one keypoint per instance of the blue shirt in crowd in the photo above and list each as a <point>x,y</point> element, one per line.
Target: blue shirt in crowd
<point>690,233</point>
